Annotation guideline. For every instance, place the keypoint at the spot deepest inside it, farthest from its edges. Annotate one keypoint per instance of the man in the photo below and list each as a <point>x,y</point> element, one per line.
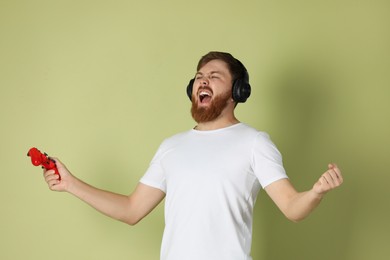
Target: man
<point>209,175</point>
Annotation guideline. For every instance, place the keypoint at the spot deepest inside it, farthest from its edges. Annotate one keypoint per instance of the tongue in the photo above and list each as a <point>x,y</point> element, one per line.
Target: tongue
<point>206,99</point>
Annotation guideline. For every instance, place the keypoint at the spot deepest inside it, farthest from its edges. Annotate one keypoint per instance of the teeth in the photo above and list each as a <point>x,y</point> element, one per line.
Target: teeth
<point>203,93</point>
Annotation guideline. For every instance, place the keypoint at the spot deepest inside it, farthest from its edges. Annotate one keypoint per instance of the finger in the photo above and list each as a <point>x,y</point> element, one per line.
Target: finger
<point>57,161</point>
<point>335,178</point>
<point>52,182</point>
<point>54,187</point>
<point>327,176</point>
<point>48,173</point>
<point>323,185</point>
<point>339,175</point>
<point>52,177</point>
<point>332,166</point>
<point>337,171</point>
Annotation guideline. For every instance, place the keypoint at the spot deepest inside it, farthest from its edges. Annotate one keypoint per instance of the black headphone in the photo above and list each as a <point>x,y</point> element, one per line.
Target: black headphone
<point>241,88</point>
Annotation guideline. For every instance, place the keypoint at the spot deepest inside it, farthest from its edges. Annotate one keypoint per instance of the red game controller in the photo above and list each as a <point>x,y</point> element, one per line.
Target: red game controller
<point>42,159</point>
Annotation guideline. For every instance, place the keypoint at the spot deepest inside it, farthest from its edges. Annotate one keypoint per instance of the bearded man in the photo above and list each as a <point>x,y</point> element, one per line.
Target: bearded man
<point>210,176</point>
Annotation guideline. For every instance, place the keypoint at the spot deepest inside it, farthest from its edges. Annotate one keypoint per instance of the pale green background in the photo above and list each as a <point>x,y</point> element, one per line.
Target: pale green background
<point>101,83</point>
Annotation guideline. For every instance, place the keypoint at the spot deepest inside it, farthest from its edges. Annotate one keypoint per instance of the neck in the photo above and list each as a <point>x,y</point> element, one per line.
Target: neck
<point>218,123</point>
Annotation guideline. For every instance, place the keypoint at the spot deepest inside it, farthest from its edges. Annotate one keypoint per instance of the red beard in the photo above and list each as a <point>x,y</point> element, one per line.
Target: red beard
<point>210,113</point>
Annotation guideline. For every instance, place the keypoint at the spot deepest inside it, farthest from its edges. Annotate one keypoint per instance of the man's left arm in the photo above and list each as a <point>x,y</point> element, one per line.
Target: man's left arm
<point>298,205</point>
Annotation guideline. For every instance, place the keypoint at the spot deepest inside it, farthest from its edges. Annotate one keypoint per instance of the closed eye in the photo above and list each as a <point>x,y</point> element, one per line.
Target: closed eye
<point>211,75</point>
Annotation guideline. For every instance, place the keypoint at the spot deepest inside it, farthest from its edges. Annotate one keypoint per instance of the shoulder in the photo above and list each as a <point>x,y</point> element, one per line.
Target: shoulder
<point>169,144</point>
<point>252,132</point>
<point>259,140</point>
<point>174,140</point>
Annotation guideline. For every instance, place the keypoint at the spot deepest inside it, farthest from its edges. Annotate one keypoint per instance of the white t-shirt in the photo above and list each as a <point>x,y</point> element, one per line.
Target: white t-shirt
<point>211,180</point>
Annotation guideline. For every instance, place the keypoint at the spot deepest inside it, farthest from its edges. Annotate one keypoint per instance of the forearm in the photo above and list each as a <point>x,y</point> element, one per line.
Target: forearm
<point>110,204</point>
<point>298,205</point>
<point>301,205</point>
<point>129,209</point>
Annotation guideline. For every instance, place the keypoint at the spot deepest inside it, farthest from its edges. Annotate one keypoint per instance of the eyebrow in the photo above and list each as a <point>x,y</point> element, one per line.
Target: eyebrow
<point>211,72</point>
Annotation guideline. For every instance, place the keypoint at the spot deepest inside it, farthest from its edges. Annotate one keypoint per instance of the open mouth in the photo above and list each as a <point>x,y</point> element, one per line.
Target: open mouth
<point>204,96</point>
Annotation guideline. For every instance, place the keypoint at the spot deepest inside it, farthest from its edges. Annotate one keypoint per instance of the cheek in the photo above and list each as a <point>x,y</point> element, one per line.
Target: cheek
<point>226,92</point>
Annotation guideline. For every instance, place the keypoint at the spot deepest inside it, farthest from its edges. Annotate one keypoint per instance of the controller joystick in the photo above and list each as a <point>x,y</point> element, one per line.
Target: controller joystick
<point>42,159</point>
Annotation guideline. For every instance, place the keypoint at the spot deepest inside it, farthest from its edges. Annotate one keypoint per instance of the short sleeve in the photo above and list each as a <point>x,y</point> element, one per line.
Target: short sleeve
<point>155,176</point>
<point>267,160</point>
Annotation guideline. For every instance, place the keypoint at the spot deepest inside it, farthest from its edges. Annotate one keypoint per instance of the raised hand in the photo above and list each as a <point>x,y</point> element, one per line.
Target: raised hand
<point>329,180</point>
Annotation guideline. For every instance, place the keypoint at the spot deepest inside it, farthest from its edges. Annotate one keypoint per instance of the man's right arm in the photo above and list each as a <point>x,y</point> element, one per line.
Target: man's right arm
<point>129,209</point>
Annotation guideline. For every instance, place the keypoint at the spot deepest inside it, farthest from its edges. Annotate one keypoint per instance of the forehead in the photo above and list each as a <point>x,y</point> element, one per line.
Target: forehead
<point>215,66</point>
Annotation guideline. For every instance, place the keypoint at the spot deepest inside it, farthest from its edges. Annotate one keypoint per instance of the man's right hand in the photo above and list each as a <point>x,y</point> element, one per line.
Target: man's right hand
<point>53,180</point>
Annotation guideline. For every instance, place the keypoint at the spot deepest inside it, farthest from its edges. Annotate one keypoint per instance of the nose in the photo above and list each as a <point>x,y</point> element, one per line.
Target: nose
<point>204,82</point>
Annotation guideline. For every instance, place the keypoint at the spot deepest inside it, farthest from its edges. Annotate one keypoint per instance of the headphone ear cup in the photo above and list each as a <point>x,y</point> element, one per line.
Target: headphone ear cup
<point>241,90</point>
<point>189,88</point>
